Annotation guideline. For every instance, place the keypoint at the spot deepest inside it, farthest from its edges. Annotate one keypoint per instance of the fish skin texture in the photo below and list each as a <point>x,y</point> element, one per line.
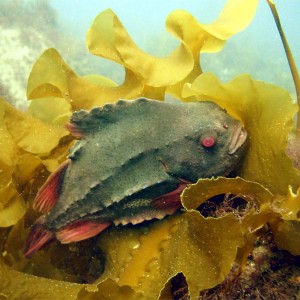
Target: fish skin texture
<point>133,152</point>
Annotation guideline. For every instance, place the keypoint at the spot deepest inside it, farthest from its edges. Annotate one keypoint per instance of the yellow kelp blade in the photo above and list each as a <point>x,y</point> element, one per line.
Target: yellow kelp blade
<point>8,148</point>
<point>258,213</point>
<point>267,112</point>
<point>194,195</point>
<point>49,76</point>
<point>210,38</point>
<point>108,290</point>
<point>145,75</point>
<point>12,206</point>
<point>99,80</point>
<point>146,257</point>
<point>12,203</point>
<point>287,236</point>
<point>289,205</point>
<point>86,94</point>
<point>21,135</point>
<point>9,152</point>
<point>24,180</point>
<point>52,110</point>
<point>108,38</point>
<point>235,17</point>
<point>16,285</point>
<point>29,133</point>
<point>287,231</point>
<point>52,77</point>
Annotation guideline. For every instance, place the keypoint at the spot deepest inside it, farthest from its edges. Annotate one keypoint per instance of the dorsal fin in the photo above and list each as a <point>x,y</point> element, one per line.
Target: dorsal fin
<point>49,192</point>
<point>84,121</point>
<point>74,130</point>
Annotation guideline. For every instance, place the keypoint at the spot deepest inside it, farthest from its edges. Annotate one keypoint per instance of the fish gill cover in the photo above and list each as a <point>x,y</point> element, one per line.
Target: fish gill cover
<point>140,261</point>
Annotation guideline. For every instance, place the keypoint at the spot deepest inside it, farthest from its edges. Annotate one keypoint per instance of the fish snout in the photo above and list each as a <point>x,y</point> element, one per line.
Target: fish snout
<point>238,139</point>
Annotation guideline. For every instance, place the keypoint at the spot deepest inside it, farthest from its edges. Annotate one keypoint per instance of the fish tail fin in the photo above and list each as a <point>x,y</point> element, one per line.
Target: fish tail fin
<point>38,237</point>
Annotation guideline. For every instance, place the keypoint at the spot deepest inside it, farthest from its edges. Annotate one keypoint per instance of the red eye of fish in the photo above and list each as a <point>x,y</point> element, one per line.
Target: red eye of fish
<point>208,142</point>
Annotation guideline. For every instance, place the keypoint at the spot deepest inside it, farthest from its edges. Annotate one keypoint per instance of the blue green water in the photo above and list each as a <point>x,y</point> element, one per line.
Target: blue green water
<point>62,24</point>
<point>257,50</point>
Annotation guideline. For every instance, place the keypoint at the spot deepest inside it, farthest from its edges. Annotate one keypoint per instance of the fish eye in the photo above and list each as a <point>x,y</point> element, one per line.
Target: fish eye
<point>208,142</point>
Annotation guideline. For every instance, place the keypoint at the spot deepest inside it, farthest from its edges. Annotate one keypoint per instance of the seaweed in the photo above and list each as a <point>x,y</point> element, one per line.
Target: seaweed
<point>206,245</point>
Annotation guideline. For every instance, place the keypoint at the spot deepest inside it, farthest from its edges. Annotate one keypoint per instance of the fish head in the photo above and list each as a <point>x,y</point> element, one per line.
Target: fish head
<point>215,144</point>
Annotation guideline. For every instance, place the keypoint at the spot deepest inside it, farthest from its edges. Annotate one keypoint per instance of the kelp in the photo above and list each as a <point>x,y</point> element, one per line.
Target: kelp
<point>139,262</point>
<point>174,243</point>
<point>25,140</point>
<point>145,75</point>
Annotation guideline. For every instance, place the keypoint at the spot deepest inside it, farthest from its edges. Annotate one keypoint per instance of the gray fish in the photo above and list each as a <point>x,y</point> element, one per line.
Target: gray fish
<point>130,164</point>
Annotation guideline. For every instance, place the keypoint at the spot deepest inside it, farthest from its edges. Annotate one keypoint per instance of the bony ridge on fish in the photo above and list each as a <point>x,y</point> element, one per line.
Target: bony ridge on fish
<point>131,163</point>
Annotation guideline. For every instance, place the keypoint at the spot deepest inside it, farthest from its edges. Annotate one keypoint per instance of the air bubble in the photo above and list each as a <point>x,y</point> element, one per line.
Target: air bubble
<point>134,244</point>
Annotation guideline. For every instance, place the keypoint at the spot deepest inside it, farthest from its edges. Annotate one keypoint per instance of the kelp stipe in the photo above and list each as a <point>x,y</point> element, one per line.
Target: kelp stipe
<point>293,149</point>
<point>289,55</point>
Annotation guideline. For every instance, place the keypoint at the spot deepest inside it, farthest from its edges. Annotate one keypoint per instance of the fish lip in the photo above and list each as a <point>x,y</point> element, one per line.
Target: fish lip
<point>238,138</point>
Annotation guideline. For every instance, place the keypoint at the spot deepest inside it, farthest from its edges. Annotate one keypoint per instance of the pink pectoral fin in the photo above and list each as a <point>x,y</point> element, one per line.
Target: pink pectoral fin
<point>80,230</point>
<point>170,201</point>
<point>49,192</point>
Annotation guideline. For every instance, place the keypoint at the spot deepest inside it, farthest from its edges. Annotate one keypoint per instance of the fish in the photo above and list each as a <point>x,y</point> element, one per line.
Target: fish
<point>130,163</point>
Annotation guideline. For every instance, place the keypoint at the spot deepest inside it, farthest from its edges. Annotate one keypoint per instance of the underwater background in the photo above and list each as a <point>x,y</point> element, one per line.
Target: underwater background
<point>235,231</point>
<point>30,27</point>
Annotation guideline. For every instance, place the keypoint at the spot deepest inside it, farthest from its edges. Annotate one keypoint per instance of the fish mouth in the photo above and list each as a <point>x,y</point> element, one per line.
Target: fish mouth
<point>238,138</point>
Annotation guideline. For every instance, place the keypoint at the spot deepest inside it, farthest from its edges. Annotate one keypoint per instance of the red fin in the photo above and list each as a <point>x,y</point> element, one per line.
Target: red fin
<point>74,130</point>
<point>80,230</point>
<point>170,200</point>
<point>38,237</point>
<point>49,192</point>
